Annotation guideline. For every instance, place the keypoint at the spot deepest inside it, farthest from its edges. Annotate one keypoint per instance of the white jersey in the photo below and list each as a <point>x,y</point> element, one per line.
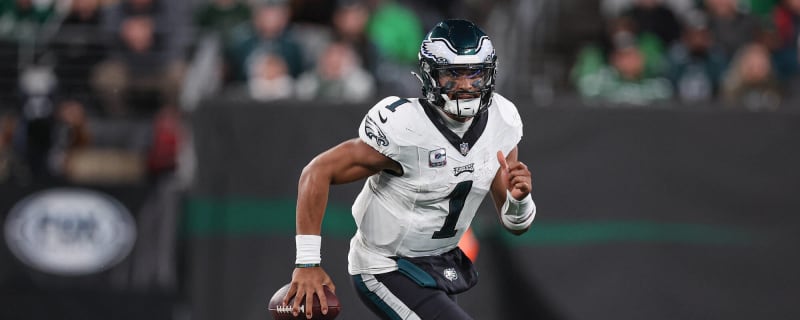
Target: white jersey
<point>425,209</point>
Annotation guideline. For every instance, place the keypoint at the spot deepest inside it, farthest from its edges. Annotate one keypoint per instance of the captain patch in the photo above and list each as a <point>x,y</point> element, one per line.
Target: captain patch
<point>437,158</point>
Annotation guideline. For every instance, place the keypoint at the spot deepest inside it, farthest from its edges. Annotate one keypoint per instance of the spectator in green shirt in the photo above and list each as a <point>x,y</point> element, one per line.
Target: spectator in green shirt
<point>396,30</point>
<point>221,16</point>
<point>623,80</point>
<point>20,20</point>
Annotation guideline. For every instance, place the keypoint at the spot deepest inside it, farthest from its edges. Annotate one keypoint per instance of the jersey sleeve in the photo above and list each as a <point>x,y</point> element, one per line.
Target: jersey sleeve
<point>377,132</point>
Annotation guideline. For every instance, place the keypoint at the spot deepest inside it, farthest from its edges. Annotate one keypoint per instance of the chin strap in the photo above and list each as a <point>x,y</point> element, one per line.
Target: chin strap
<point>421,82</point>
<point>455,107</point>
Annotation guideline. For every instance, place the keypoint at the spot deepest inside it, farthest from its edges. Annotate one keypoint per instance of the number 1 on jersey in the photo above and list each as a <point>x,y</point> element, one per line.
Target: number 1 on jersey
<point>457,199</point>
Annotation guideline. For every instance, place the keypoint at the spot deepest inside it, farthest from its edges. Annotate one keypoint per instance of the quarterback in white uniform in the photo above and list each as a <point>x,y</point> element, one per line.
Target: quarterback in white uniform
<point>429,162</point>
<point>413,214</point>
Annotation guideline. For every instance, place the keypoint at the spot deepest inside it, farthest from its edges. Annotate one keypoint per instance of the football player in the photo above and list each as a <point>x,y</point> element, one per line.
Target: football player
<point>428,164</point>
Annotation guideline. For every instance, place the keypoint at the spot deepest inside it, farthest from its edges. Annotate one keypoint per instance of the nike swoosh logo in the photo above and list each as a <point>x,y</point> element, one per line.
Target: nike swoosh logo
<point>380,116</point>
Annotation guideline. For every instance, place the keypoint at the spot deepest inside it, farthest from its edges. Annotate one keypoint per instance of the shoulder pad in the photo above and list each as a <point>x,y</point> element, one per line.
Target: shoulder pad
<point>385,125</point>
<point>508,112</point>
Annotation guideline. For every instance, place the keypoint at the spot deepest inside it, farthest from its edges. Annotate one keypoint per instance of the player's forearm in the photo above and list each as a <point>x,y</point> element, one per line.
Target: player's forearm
<point>349,161</point>
<point>312,198</point>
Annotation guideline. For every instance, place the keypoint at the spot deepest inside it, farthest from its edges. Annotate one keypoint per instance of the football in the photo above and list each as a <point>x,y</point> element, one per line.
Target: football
<point>280,311</point>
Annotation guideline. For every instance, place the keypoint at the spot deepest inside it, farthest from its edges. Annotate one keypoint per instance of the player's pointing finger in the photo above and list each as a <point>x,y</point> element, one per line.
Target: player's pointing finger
<point>502,160</point>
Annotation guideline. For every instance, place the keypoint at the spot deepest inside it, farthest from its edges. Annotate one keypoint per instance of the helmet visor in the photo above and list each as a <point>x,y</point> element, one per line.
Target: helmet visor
<point>464,81</point>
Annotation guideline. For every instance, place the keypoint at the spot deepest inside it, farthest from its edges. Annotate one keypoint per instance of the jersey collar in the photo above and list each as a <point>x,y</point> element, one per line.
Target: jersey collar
<point>474,132</point>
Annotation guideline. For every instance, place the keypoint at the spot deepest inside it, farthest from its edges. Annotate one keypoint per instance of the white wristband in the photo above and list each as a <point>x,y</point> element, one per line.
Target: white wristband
<point>308,249</point>
<point>518,214</point>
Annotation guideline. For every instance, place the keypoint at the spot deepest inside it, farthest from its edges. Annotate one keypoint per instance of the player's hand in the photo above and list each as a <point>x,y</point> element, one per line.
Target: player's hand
<point>517,176</point>
<point>305,283</point>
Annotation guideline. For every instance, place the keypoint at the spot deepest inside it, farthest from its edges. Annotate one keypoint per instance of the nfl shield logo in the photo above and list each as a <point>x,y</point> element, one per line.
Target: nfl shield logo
<point>450,274</point>
<point>464,148</point>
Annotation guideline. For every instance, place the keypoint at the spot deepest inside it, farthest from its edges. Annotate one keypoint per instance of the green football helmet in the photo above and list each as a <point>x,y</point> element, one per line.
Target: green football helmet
<point>457,68</point>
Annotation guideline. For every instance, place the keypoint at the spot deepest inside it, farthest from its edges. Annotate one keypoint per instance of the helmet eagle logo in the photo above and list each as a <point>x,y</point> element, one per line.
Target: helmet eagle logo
<point>440,50</point>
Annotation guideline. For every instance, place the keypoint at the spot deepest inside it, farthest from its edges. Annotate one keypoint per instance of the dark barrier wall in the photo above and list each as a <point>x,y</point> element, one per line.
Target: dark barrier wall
<point>132,287</point>
<point>642,214</point>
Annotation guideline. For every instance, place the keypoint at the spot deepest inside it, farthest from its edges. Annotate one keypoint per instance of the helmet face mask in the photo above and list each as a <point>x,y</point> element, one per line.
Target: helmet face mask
<point>469,80</point>
<point>457,68</point>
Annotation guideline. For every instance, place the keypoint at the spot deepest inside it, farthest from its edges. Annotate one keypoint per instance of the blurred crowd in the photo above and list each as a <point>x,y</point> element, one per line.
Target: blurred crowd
<point>97,90</point>
<point>736,53</point>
